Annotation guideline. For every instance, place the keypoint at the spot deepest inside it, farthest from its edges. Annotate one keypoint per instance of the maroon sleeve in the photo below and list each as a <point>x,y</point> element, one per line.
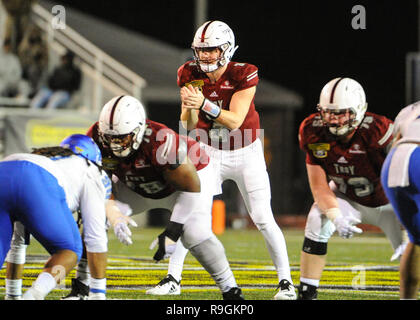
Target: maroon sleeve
<point>248,75</point>
<point>305,132</point>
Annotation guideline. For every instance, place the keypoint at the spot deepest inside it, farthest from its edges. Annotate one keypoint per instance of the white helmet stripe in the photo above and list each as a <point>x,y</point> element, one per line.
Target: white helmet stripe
<point>111,117</point>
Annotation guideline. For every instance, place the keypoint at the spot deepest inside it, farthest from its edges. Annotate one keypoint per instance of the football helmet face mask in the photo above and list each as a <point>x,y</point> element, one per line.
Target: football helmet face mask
<point>210,36</point>
<point>122,123</point>
<point>83,146</point>
<point>342,105</point>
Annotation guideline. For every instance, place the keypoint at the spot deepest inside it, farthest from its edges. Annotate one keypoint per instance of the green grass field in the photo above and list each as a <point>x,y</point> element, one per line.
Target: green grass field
<point>357,269</point>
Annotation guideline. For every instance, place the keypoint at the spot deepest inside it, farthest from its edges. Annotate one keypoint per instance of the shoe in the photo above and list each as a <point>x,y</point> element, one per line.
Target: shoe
<point>167,285</point>
<point>307,292</point>
<point>7,297</point>
<point>79,291</point>
<point>286,291</point>
<point>233,294</point>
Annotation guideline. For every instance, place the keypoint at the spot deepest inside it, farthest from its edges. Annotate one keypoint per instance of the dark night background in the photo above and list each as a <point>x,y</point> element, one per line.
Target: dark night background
<point>298,44</point>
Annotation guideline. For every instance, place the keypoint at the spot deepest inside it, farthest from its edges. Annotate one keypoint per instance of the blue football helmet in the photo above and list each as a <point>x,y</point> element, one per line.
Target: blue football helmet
<point>83,146</point>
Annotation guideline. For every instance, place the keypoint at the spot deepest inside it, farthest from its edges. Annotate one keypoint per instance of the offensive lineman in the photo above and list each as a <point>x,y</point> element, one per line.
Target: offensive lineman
<point>40,190</point>
<point>345,147</point>
<point>401,182</point>
<point>154,167</point>
<point>217,98</point>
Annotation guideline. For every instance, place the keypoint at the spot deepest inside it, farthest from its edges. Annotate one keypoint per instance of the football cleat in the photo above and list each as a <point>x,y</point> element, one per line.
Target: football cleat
<point>233,294</point>
<point>10,297</point>
<point>167,285</point>
<point>286,291</point>
<point>79,291</point>
<point>307,292</point>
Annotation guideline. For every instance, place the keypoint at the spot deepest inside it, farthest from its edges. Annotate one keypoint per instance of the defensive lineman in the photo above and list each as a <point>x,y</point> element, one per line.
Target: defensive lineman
<point>345,147</point>
<point>217,98</point>
<point>41,190</point>
<point>401,181</point>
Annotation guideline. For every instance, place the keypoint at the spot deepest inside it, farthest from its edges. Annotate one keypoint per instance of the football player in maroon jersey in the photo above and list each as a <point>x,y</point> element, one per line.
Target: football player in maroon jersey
<point>345,147</point>
<point>217,98</point>
<point>154,167</point>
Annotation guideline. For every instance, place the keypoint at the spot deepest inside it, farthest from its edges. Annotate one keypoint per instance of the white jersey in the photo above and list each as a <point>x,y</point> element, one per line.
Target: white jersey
<point>87,188</point>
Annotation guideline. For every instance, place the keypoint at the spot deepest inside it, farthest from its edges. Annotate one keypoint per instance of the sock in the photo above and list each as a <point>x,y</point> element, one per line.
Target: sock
<point>83,272</point>
<point>176,262</point>
<point>13,288</point>
<point>41,287</point>
<point>311,282</point>
<point>98,285</point>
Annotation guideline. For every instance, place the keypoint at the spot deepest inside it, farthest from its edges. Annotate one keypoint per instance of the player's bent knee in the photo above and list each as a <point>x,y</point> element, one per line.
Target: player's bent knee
<point>314,247</point>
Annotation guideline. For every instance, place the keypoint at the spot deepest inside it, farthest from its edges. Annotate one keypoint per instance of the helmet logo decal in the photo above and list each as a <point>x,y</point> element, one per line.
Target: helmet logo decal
<point>204,31</point>
<point>111,117</point>
<point>333,90</point>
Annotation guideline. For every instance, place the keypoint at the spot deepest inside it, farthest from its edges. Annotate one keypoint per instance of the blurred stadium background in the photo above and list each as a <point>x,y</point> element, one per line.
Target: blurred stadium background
<point>135,48</point>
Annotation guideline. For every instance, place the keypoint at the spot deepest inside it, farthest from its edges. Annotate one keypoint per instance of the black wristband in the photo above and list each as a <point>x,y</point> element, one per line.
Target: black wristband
<point>174,230</point>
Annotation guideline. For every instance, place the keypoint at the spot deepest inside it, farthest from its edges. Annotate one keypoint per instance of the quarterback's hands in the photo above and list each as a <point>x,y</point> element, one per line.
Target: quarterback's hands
<point>166,241</point>
<point>191,97</point>
<point>122,231</point>
<point>345,225</point>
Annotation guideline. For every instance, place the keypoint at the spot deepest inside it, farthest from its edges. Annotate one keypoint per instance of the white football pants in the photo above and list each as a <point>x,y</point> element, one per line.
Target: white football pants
<point>245,166</point>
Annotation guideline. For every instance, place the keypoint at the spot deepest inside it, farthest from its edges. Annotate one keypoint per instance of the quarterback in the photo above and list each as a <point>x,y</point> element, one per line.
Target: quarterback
<point>217,97</point>
<point>345,148</point>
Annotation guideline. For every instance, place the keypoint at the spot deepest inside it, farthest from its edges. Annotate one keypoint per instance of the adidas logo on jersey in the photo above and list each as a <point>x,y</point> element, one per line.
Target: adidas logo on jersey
<point>342,160</point>
<point>214,94</point>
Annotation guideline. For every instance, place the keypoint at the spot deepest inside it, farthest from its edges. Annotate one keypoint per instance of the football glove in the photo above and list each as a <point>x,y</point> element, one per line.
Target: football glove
<point>345,226</point>
<point>122,231</point>
<point>166,241</point>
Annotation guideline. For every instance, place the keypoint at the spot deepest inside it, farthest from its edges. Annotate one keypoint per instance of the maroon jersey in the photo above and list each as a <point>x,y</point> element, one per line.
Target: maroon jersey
<point>355,167</point>
<point>161,149</point>
<point>238,76</point>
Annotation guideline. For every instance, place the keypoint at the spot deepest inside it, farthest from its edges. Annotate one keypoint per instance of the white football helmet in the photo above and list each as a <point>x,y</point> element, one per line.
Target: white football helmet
<point>342,105</point>
<point>214,34</point>
<point>122,123</point>
<point>407,122</point>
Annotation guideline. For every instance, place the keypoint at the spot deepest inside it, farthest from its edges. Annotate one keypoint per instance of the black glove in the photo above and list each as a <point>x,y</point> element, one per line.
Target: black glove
<point>166,241</point>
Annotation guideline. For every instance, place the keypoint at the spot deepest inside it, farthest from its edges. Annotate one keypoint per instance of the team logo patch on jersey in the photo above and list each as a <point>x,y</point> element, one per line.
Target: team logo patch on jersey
<point>196,84</point>
<point>319,150</point>
<point>356,149</point>
<point>226,85</point>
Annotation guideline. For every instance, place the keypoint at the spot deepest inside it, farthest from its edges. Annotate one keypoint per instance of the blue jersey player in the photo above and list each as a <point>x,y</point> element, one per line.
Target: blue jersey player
<point>400,178</point>
<point>41,190</point>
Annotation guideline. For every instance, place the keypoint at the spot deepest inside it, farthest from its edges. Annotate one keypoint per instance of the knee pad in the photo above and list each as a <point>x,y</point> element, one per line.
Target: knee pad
<point>314,247</point>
